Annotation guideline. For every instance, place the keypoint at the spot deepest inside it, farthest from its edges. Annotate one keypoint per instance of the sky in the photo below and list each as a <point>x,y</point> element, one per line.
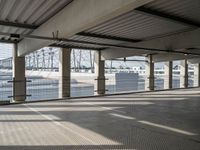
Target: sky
<point>5,50</point>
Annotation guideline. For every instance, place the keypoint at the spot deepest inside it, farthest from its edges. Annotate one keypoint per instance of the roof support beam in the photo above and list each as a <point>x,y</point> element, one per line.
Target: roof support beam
<point>129,60</point>
<point>94,35</point>
<point>7,41</point>
<point>68,22</point>
<point>17,25</point>
<point>75,47</point>
<point>194,61</point>
<point>115,53</point>
<point>103,45</point>
<point>171,57</point>
<point>185,40</point>
<point>164,15</point>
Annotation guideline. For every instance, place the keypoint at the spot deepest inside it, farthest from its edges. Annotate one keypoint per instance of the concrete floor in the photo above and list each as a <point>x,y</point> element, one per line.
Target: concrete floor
<point>168,120</point>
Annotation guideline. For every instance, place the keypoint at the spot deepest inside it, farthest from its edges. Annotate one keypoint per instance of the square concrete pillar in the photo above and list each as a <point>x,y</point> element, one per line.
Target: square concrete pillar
<point>196,75</point>
<point>64,72</point>
<point>168,68</point>
<point>99,86</point>
<point>149,79</point>
<point>184,74</point>
<point>19,79</point>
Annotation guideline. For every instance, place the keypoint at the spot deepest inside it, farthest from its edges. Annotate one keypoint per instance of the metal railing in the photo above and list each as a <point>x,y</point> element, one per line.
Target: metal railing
<point>44,88</point>
<point>5,86</point>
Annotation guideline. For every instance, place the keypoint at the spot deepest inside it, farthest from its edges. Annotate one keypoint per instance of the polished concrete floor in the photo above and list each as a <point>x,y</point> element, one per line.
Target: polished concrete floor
<point>167,120</point>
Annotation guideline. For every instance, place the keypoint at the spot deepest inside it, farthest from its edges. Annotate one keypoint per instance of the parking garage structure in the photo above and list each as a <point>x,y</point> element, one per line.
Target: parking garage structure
<point>160,31</point>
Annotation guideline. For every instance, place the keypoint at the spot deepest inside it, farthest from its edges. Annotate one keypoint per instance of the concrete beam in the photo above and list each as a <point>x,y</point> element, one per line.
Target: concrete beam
<point>76,17</point>
<point>194,61</point>
<point>114,53</point>
<point>172,57</point>
<point>182,40</point>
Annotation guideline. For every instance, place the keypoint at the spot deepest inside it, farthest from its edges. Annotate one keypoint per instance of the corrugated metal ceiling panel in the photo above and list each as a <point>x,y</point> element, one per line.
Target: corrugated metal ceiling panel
<point>30,11</point>
<point>137,26</point>
<point>188,9</point>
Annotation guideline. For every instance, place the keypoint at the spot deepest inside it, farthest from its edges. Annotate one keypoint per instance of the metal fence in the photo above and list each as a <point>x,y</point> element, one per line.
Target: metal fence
<point>41,88</point>
<point>83,84</point>
<point>5,86</point>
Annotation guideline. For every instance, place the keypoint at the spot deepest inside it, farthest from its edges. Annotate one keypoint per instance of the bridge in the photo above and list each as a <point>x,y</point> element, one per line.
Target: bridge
<point>47,59</point>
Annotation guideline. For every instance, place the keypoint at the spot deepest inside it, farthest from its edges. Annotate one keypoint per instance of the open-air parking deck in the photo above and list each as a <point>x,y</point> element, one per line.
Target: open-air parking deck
<point>132,45</point>
<point>167,120</point>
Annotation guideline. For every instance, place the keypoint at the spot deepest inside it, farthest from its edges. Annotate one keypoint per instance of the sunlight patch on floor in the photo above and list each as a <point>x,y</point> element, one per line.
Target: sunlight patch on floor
<point>167,128</point>
<point>122,116</point>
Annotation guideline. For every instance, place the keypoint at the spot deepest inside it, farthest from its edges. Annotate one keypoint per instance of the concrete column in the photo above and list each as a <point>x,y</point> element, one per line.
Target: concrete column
<point>184,74</point>
<point>196,75</point>
<point>168,67</point>
<point>149,82</point>
<point>64,72</point>
<point>19,79</point>
<point>100,74</point>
